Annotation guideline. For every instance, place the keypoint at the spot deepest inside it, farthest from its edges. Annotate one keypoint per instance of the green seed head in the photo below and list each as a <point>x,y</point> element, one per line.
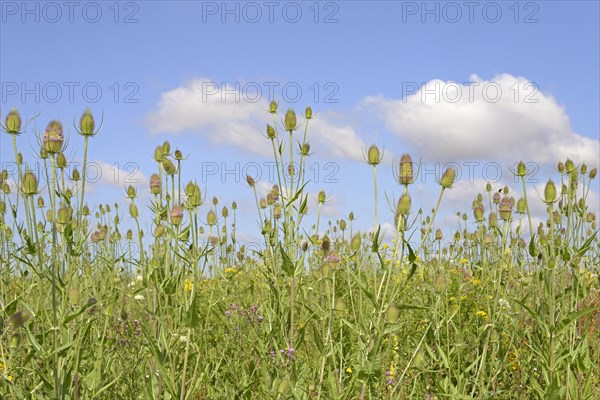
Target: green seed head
<point>308,113</point>
<point>521,206</point>
<point>133,211</point>
<point>131,193</point>
<point>406,170</point>
<point>448,178</point>
<point>373,155</point>
<point>505,208</point>
<point>13,122</point>
<point>61,160</point>
<point>321,197</point>
<point>5,188</point>
<point>569,165</point>
<point>493,220</point>
<point>593,173</point>
<point>64,215</point>
<point>166,148</point>
<point>521,169</point>
<point>178,155</point>
<point>54,137</point>
<point>343,225</point>
<point>262,203</point>
<point>76,175</point>
<point>550,192</point>
<point>488,187</point>
<point>277,212</point>
<point>560,167</point>
<point>19,159</point>
<point>496,198</point>
<point>478,213</point>
<point>583,169</point>
<point>30,184</point>
<point>404,204</point>
<point>356,242</point>
<point>351,216</point>
<point>211,218</point>
<point>392,313</point>
<point>225,212</point>
<point>169,167</point>
<point>305,149</point>
<point>438,234</point>
<point>159,231</point>
<point>271,134</point>
<point>158,154</point>
<point>290,122</point>
<point>87,125</point>
<point>273,107</point>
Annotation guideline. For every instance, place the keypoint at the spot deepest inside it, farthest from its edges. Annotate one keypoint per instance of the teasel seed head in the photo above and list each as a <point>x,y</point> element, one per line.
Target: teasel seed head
<point>250,180</point>
<point>560,167</point>
<point>351,216</point>
<point>305,149</point>
<point>76,176</point>
<point>406,174</point>
<point>176,215</point>
<point>488,187</point>
<point>583,169</point>
<point>271,134</point>
<point>211,218</point>
<point>308,113</point>
<point>290,122</point>
<point>225,212</point>
<point>505,208</point>
<point>438,234</point>
<point>374,157</point>
<point>343,224</point>
<point>30,184</point>
<point>53,137</point>
<point>131,192</point>
<point>155,186</point>
<point>404,204</point>
<point>64,215</point>
<point>521,206</point>
<point>496,198</point>
<point>321,197</point>
<point>493,220</point>
<point>262,203</point>
<point>593,173</point>
<point>273,107</point>
<point>133,211</point>
<point>448,178</point>
<point>550,192</point>
<point>12,124</point>
<point>325,245</point>
<point>392,314</point>
<point>478,213</point>
<point>158,154</point>
<point>291,170</point>
<point>277,212</point>
<point>168,166</point>
<point>166,148</point>
<point>87,125</point>
<point>521,169</point>
<point>234,205</point>
<point>19,158</point>
<point>569,165</point>
<point>178,155</point>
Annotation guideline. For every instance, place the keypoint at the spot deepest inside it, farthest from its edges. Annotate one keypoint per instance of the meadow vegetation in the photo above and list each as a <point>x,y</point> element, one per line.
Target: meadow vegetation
<point>321,310</point>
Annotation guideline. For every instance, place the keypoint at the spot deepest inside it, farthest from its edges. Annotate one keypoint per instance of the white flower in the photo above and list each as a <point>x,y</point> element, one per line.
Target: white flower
<point>139,278</point>
<point>138,297</point>
<point>504,303</point>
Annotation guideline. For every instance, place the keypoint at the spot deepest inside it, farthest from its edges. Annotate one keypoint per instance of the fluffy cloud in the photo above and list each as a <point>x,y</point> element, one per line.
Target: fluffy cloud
<point>229,117</point>
<point>506,118</point>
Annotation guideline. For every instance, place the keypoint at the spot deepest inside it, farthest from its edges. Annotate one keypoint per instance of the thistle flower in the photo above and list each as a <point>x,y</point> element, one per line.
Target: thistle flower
<point>12,124</point>
<point>155,184</point>
<point>505,208</point>
<point>250,180</point>
<point>176,215</point>
<point>87,125</point>
<point>53,137</point>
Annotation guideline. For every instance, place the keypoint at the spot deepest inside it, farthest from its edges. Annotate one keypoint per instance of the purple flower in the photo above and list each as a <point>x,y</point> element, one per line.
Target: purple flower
<point>260,318</point>
<point>387,373</point>
<point>390,381</point>
<point>228,313</point>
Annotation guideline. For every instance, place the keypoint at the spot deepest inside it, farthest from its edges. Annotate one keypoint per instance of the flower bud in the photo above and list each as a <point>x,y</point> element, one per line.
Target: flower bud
<point>76,176</point>
<point>131,193</point>
<point>61,160</point>
<point>478,213</point>
<point>521,169</point>
<point>158,154</point>
<point>321,197</point>
<point>166,148</point>
<point>343,225</point>
<point>593,173</point>
<point>30,184</point>
<point>488,187</point>
<point>178,156</point>
<point>305,149</point>
<point>290,122</point>
<point>569,165</point>
<point>351,216</point>
<point>87,123</point>
<point>19,159</point>
<point>273,107</point>
<point>493,220</point>
<point>133,211</point>
<point>262,203</point>
<point>521,206</point>
<point>13,122</point>
<point>448,178</point>
<point>168,166</point>
<point>583,169</point>
<point>40,202</point>
<point>356,242</point>
<point>277,212</point>
<point>438,234</point>
<point>373,155</point>
<point>225,212</point>
<point>211,218</point>
<point>560,167</point>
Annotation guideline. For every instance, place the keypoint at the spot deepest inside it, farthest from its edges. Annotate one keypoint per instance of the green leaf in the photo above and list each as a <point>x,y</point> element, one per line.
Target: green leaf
<point>582,250</point>
<point>288,266</point>
<point>532,250</point>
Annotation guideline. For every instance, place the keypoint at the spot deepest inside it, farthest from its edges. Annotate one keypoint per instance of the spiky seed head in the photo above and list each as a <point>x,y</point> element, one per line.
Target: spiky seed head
<point>166,148</point>
<point>87,125</point>
<point>488,187</point>
<point>234,205</point>
<point>131,192</point>
<point>321,197</point>
<point>304,246</point>
<point>351,216</point>
<point>64,215</point>
<point>505,208</point>
<point>373,155</point>
<point>262,203</point>
<point>133,211</point>
<point>178,155</point>
<point>225,212</point>
<point>308,113</point>
<point>273,107</point>
<point>593,173</point>
<point>19,158</point>
<point>159,231</point>
<point>521,206</point>
<point>277,212</point>
<point>493,220</point>
<point>61,160</point>
<point>305,149</point>
<point>569,165</point>
<point>12,124</point>
<point>53,137</point>
<point>560,167</point>
<point>478,213</point>
<point>176,215</point>
<point>86,210</point>
<point>5,188</point>
<point>30,184</point>
<point>270,199</point>
<point>155,184</point>
<point>583,169</point>
<point>590,217</point>
<point>406,175</point>
<point>496,198</point>
<point>448,178</point>
<point>291,170</point>
<point>169,167</point>
<point>290,121</point>
<point>250,180</point>
<point>271,134</point>
<point>343,225</point>
<point>129,235</point>
<point>76,176</point>
<point>404,204</point>
<point>158,154</point>
<point>356,242</point>
<point>3,207</point>
<point>325,245</point>
<point>550,192</point>
<point>438,234</point>
<point>521,169</point>
<point>211,218</point>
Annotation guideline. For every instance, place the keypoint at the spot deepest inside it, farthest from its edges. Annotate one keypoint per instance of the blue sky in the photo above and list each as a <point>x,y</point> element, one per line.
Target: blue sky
<point>162,68</point>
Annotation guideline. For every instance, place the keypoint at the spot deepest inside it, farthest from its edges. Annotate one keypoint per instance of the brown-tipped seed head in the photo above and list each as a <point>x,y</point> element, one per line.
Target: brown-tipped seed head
<point>406,175</point>
<point>12,124</point>
<point>373,155</point>
<point>169,167</point>
<point>30,184</point>
<point>404,204</point>
<point>505,208</point>
<point>448,178</point>
<point>438,234</point>
<point>593,173</point>
<point>176,215</point>
<point>87,125</point>
<point>250,180</point>
<point>155,184</point>
<point>53,137</point>
<point>290,122</point>
<point>550,192</point>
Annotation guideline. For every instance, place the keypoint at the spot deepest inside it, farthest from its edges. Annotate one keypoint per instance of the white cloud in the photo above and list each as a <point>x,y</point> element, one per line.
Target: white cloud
<point>505,118</point>
<point>229,118</point>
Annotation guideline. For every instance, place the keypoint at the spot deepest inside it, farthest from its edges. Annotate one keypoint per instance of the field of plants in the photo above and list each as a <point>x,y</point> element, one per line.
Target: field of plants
<point>321,311</point>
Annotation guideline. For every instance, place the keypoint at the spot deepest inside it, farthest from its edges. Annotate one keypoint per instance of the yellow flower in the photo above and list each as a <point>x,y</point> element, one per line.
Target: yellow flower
<point>481,314</point>
<point>188,285</point>
<point>385,246</point>
<point>349,370</point>
<point>464,261</point>
<point>475,281</point>
<point>231,271</point>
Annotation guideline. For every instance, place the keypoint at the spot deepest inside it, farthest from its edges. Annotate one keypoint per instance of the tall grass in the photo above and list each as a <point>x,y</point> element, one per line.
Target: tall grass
<point>483,312</point>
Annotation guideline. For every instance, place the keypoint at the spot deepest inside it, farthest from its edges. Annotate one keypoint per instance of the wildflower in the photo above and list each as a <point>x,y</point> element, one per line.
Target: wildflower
<point>349,370</point>
<point>188,285</point>
<point>138,297</point>
<point>475,281</point>
<point>504,303</point>
<point>481,314</point>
